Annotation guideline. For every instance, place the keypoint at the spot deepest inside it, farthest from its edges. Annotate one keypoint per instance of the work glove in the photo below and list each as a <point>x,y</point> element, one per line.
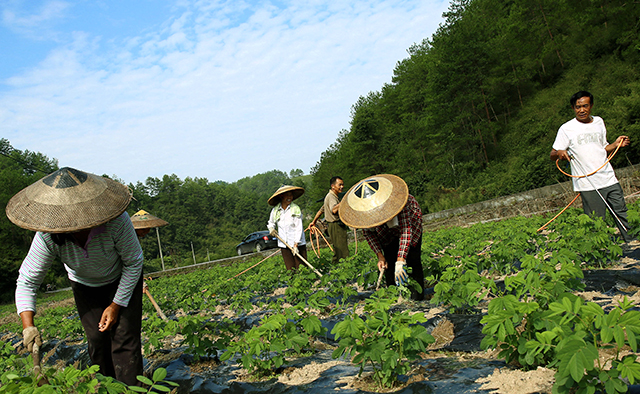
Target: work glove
<point>401,273</point>
<point>30,336</point>
<point>273,232</point>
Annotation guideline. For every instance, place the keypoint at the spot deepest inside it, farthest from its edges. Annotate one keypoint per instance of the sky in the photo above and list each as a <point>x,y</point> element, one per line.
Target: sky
<point>220,90</point>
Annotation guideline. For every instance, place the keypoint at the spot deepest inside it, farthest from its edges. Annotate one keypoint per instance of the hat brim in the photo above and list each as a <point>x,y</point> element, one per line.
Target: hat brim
<point>390,200</point>
<point>95,201</point>
<point>275,198</point>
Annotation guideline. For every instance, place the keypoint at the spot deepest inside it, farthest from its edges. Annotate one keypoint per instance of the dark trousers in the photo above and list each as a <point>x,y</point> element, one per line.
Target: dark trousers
<point>118,351</point>
<point>390,252</point>
<point>338,234</point>
<point>291,261</point>
<point>592,203</point>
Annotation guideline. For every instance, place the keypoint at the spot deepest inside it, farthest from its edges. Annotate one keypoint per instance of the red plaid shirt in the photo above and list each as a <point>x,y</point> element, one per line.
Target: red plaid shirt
<point>409,230</point>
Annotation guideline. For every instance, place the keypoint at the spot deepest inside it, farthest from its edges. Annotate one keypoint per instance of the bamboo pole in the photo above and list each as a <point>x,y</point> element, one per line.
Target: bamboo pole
<point>271,255</point>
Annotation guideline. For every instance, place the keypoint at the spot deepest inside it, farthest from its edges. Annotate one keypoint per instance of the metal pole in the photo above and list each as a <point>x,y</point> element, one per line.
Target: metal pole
<point>598,191</point>
<point>160,248</point>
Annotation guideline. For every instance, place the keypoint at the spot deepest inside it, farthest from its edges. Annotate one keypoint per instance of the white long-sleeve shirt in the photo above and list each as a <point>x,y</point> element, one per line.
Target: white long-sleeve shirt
<point>112,251</point>
<point>289,222</point>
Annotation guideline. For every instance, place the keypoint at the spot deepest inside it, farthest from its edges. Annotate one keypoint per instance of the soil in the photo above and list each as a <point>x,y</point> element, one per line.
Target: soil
<point>447,367</point>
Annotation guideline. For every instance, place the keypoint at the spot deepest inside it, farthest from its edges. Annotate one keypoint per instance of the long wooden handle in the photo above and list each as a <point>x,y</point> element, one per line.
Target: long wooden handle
<point>298,254</point>
<point>380,279</point>
<point>155,305</point>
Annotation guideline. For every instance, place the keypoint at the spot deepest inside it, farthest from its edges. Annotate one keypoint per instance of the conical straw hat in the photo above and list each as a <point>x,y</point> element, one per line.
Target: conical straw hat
<point>297,192</point>
<point>143,219</point>
<point>68,200</point>
<point>373,201</point>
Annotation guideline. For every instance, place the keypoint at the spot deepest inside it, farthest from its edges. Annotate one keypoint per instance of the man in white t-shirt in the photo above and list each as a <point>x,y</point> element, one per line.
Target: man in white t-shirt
<point>583,142</point>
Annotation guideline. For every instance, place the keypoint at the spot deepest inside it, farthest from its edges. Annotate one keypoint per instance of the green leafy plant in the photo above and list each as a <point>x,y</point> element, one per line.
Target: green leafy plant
<point>156,383</point>
<point>387,342</point>
<point>263,348</point>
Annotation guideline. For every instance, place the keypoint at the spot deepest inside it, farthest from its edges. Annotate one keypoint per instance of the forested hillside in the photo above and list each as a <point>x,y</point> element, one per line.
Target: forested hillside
<point>472,113</point>
<point>469,115</point>
<point>213,217</point>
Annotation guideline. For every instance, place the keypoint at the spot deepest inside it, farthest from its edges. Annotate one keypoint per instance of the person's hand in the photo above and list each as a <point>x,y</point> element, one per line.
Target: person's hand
<point>31,336</point>
<point>273,232</point>
<point>623,141</point>
<point>109,317</point>
<point>401,272</point>
<point>295,249</point>
<point>382,264</point>
<point>563,155</point>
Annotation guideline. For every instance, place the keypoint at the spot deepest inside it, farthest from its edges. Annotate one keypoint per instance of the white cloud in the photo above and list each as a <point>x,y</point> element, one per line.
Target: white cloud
<point>223,90</point>
<point>36,24</point>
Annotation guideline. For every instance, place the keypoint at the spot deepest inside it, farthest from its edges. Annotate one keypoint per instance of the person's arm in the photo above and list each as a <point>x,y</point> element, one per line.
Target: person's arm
<point>335,208</point>
<point>32,272</point>
<point>298,232</point>
<point>27,319</point>
<point>271,223</point>
<point>623,141</point>
<point>315,218</point>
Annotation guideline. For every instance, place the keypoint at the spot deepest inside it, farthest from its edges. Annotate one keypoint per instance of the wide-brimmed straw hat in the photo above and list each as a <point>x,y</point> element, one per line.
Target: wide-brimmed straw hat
<point>143,219</point>
<point>373,201</point>
<point>297,192</point>
<point>68,200</point>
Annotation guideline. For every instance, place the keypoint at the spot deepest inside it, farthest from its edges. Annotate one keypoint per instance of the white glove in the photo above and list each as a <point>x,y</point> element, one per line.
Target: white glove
<point>273,232</point>
<point>31,336</point>
<point>401,273</point>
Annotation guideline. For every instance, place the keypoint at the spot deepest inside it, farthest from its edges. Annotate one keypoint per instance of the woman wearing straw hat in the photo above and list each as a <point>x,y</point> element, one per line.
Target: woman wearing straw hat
<point>81,219</point>
<point>391,220</point>
<point>287,216</point>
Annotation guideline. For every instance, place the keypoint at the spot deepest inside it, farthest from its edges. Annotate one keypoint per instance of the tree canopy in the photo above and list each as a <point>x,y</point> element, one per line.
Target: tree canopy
<point>472,112</point>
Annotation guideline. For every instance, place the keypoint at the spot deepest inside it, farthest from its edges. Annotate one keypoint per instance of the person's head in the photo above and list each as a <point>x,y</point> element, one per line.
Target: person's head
<point>582,103</point>
<point>337,184</point>
<point>141,232</point>
<point>286,198</point>
<point>279,195</point>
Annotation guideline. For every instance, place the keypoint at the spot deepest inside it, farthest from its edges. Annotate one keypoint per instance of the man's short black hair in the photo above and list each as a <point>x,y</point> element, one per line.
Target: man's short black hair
<point>579,95</point>
<point>333,180</point>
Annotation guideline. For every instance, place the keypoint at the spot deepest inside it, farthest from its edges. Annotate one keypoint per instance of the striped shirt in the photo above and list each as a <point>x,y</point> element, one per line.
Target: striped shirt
<point>112,252</point>
<point>409,230</point>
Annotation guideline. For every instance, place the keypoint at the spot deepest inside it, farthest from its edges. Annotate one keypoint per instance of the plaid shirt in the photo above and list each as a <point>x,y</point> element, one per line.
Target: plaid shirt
<point>408,231</point>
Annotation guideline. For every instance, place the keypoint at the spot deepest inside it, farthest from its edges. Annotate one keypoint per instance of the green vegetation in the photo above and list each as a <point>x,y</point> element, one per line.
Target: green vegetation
<point>472,113</point>
<point>526,281</point>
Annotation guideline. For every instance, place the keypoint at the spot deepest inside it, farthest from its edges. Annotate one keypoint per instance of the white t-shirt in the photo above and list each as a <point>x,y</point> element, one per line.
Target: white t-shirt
<point>586,143</point>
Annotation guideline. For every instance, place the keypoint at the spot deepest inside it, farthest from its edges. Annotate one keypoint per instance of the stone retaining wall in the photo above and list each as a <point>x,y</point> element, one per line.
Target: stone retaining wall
<point>536,201</point>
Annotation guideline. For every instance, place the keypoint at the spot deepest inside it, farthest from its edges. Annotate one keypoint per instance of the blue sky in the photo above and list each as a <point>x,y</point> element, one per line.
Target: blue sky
<point>211,89</point>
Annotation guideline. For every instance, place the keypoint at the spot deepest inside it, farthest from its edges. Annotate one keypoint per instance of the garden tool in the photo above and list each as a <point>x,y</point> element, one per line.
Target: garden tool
<point>380,279</point>
<point>145,289</point>
<point>295,252</point>
<point>598,191</point>
<point>261,261</point>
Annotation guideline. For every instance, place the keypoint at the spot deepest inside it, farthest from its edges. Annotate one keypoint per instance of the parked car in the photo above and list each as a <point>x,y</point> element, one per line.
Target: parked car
<point>258,241</point>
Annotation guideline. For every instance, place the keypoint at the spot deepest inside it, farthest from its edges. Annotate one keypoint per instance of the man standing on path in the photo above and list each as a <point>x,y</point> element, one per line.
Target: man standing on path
<point>583,142</point>
<point>337,229</point>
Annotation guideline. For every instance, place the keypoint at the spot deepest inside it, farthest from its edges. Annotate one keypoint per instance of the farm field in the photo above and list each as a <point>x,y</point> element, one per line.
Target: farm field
<point>510,310</point>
